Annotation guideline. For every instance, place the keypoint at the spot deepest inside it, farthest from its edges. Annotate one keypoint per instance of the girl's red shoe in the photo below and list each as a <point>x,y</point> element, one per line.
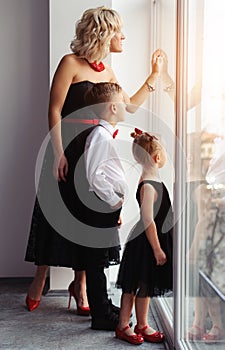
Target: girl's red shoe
<point>135,339</point>
<point>211,337</point>
<point>195,333</point>
<point>156,337</point>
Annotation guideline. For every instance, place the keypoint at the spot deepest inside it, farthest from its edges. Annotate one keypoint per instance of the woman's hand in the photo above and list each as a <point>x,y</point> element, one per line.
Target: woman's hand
<point>159,63</point>
<point>60,168</point>
<point>160,67</point>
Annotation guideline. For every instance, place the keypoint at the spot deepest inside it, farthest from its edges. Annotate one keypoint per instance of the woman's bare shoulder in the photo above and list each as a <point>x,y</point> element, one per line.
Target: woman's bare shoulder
<point>70,59</point>
<point>70,65</point>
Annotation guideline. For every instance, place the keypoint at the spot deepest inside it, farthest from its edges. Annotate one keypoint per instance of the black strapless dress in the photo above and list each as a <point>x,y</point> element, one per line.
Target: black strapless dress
<point>49,242</point>
<point>138,271</point>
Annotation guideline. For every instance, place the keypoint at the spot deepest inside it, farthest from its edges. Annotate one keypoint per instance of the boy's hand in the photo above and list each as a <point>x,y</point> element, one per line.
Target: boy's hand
<point>120,221</point>
<point>119,204</point>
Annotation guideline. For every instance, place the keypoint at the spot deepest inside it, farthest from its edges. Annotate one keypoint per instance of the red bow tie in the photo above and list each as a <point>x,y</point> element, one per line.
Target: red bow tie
<point>115,133</point>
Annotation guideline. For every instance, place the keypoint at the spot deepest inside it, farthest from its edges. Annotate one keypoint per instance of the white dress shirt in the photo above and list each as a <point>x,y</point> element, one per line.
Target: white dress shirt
<point>104,170</point>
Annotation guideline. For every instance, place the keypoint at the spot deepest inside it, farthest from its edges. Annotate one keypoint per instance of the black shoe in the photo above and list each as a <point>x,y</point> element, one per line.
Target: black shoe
<point>115,308</point>
<point>107,323</point>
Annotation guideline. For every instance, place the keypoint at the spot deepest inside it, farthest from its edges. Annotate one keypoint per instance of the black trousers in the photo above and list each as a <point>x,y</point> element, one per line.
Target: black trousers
<point>97,283</point>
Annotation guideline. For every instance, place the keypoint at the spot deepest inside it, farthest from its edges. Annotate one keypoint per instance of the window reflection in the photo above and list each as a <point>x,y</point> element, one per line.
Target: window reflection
<point>205,210</point>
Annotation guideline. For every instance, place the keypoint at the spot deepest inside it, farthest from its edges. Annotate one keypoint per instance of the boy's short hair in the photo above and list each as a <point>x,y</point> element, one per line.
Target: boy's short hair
<point>102,92</point>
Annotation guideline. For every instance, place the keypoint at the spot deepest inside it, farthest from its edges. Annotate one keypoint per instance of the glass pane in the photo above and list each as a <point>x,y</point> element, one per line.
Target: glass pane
<point>204,305</point>
<point>164,27</point>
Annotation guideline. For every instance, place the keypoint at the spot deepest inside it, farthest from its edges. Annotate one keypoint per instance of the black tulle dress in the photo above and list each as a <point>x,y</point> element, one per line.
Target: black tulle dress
<point>48,243</point>
<point>138,271</point>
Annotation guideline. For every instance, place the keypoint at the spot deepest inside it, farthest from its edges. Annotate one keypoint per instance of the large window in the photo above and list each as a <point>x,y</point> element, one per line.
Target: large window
<point>199,190</point>
<point>191,32</point>
<point>205,178</point>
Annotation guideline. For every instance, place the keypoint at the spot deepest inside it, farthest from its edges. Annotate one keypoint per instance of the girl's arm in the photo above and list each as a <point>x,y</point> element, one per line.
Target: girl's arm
<point>148,197</point>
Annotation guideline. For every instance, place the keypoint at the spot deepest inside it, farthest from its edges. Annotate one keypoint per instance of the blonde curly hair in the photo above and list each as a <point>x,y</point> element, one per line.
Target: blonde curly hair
<point>94,32</point>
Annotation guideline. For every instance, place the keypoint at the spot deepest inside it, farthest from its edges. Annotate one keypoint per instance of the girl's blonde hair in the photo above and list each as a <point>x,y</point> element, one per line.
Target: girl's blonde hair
<point>94,32</point>
<point>144,146</point>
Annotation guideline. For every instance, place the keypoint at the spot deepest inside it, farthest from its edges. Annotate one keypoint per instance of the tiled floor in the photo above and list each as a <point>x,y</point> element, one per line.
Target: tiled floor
<point>52,325</point>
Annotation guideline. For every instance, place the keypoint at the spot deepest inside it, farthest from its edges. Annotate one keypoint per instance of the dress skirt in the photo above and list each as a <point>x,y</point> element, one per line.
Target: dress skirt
<point>138,271</point>
<point>54,239</point>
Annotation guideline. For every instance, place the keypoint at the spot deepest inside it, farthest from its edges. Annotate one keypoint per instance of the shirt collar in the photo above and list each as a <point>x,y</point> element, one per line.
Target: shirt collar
<point>107,126</point>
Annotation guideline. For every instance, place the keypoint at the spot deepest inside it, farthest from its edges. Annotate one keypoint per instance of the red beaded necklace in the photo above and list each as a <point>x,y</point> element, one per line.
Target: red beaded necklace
<point>98,67</point>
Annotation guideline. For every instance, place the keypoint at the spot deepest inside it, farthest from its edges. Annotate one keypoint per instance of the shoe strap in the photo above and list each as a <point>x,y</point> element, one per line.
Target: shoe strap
<point>142,329</point>
<point>198,328</point>
<point>125,328</point>
<point>218,329</point>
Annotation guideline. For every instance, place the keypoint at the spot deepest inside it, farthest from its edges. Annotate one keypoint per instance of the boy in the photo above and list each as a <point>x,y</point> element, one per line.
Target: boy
<point>103,199</point>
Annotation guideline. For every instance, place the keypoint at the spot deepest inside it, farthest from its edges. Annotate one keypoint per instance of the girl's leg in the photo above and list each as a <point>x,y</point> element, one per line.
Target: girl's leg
<point>197,329</point>
<point>37,285</point>
<point>215,315</point>
<point>201,310</point>
<point>127,302</point>
<point>80,288</point>
<point>148,333</point>
<point>142,307</point>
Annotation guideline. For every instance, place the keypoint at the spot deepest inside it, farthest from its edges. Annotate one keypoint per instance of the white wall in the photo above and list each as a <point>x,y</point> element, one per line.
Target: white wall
<point>63,17</point>
<point>24,99</point>
<point>132,66</point>
<point>24,86</point>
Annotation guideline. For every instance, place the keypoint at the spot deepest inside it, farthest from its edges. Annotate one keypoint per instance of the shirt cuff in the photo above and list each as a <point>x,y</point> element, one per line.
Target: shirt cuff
<point>114,200</point>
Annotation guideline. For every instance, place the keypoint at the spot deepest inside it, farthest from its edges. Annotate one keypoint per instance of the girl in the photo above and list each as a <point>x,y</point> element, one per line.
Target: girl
<point>146,267</point>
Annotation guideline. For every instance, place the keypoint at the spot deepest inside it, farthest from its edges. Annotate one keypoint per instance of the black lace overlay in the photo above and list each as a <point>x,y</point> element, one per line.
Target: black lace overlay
<point>46,246</point>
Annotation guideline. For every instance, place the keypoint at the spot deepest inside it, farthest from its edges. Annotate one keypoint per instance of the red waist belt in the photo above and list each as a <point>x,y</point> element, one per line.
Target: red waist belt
<point>81,121</point>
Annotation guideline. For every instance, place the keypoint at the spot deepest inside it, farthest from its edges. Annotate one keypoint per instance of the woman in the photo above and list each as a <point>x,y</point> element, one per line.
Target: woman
<point>97,34</point>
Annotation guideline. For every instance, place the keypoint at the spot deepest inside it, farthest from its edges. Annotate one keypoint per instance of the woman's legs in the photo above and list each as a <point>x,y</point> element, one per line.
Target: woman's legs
<point>80,288</point>
<point>38,283</point>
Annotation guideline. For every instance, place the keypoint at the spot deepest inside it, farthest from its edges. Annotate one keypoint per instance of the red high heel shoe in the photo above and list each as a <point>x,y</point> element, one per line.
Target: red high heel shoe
<point>81,310</point>
<point>135,339</point>
<point>156,337</point>
<point>31,303</point>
